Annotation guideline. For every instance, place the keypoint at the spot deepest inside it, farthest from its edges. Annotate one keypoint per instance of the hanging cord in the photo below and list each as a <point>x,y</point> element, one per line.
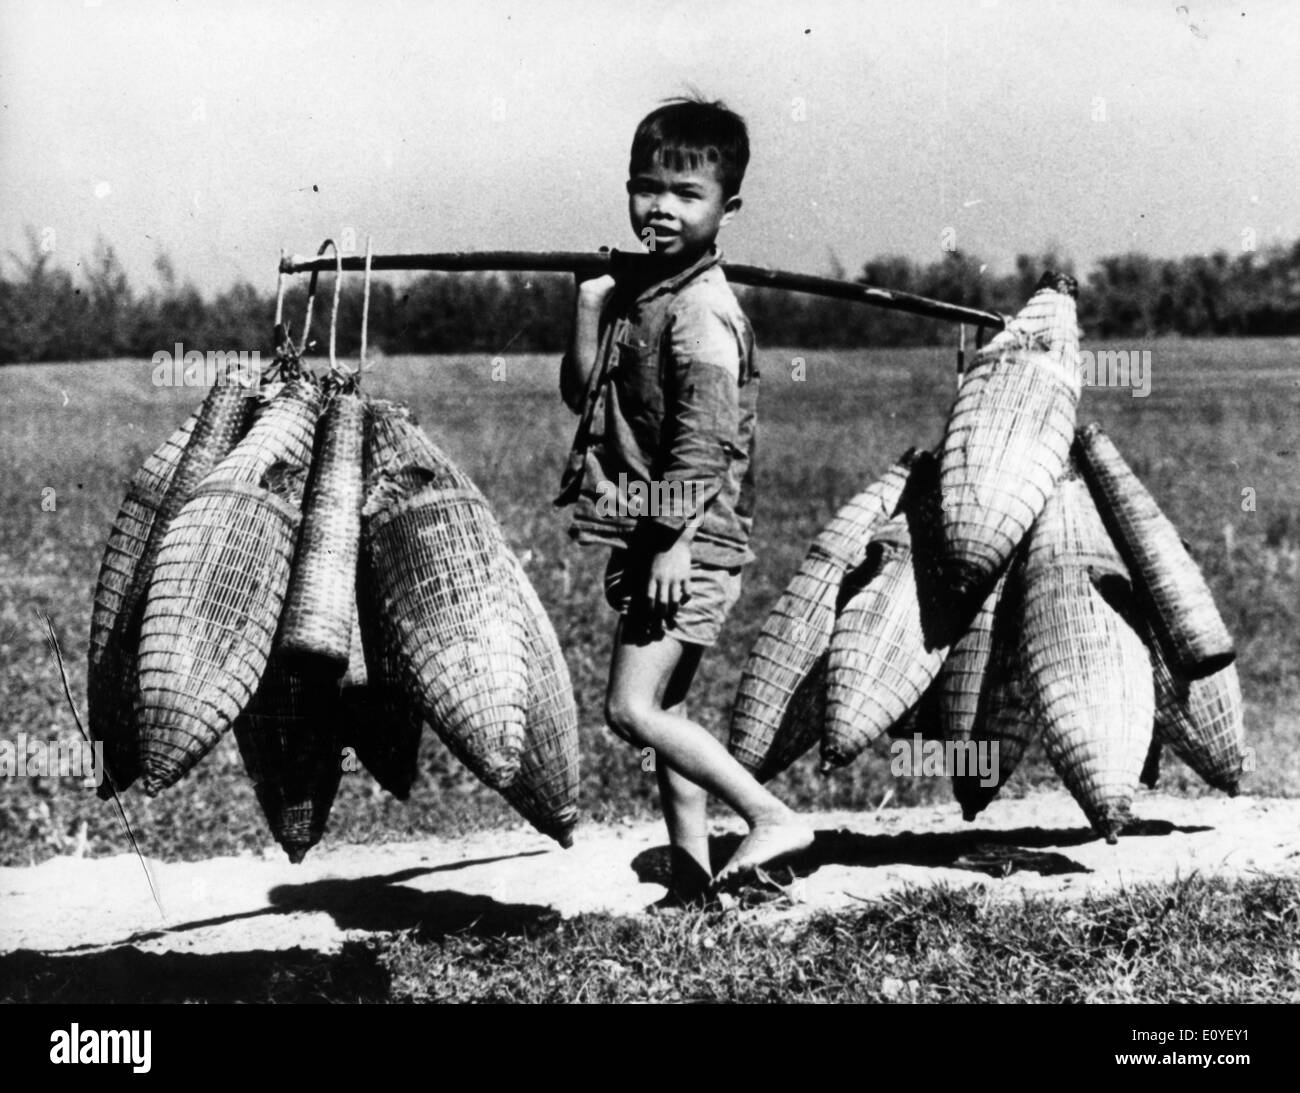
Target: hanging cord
<point>334,313</point>
<point>279,301</point>
<point>311,296</point>
<point>365,306</point>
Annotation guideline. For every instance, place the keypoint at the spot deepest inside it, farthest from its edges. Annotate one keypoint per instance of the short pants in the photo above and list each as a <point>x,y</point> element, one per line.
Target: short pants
<point>711,593</point>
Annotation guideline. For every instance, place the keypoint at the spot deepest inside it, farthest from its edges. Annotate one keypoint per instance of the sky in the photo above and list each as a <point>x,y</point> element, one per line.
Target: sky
<point>218,131</point>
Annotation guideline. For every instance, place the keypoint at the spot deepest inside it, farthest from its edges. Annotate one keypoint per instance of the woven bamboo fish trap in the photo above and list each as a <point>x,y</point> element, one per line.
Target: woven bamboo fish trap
<point>1004,714</point>
<point>442,583</point>
<point>113,688</point>
<point>780,704</point>
<point>1089,671</point>
<point>545,792</point>
<point>355,674</point>
<point>380,723</point>
<point>126,543</point>
<point>218,589</point>
<point>1179,603</point>
<point>1008,437</point>
<point>319,606</point>
<point>1202,721</point>
<point>290,741</point>
<point>960,682</point>
<point>879,662</point>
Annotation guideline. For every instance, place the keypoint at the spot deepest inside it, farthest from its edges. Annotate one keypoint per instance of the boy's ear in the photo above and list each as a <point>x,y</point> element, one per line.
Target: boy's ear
<point>729,208</point>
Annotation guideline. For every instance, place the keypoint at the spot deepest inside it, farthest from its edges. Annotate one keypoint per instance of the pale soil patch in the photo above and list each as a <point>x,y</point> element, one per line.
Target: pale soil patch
<point>1035,846</point>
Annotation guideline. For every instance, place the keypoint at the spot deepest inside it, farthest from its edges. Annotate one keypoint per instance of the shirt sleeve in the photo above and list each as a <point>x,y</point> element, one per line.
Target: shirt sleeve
<point>701,412</point>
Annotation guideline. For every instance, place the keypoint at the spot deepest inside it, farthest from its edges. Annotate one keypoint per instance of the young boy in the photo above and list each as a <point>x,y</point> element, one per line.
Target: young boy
<point>661,373</point>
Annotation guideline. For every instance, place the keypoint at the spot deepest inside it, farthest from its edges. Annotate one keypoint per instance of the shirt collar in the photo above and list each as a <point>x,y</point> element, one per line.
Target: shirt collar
<point>709,259</point>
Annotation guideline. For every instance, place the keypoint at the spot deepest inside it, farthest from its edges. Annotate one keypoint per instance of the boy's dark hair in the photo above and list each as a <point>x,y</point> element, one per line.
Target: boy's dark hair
<point>686,133</point>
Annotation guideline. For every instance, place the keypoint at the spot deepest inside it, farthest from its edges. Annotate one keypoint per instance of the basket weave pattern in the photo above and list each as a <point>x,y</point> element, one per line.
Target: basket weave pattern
<point>1004,713</point>
<point>1202,721</point>
<point>545,792</point>
<point>1187,624</point>
<point>780,703</point>
<point>221,420</point>
<point>214,605</point>
<point>960,681</point>
<point>320,603</point>
<point>126,543</point>
<point>291,746</point>
<point>442,586</point>
<point>382,726</point>
<point>879,662</point>
<point>1089,671</point>
<point>1007,440</point>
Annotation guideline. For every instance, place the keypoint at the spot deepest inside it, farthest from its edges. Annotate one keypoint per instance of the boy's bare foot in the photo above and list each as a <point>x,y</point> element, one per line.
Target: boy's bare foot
<point>771,838</point>
<point>689,886</point>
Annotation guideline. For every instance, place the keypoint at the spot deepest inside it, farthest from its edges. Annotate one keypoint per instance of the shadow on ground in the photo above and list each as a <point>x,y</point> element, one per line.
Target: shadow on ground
<point>384,904</point>
<point>377,904</point>
<point>997,853</point>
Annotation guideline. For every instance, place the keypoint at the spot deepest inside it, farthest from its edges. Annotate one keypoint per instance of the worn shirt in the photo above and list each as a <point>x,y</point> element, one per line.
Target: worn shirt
<point>667,428</point>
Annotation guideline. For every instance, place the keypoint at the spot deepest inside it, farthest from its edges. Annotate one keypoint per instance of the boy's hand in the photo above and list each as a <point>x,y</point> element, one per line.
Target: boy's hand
<point>670,570</point>
<point>592,289</point>
<point>578,362</point>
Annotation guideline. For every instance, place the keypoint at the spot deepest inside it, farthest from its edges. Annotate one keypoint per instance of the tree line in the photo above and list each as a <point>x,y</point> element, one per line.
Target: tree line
<point>47,314</point>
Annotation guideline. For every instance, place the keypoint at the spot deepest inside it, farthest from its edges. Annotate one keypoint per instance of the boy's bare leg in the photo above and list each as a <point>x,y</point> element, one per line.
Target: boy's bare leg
<point>639,678</point>
<point>685,804</point>
<point>686,813</point>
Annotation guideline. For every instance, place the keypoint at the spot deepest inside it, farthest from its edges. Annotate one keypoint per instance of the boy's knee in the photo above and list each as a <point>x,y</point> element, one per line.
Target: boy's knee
<point>624,719</point>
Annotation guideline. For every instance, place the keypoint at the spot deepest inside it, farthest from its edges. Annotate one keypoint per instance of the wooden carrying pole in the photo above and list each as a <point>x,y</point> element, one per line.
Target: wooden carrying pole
<point>595,263</point>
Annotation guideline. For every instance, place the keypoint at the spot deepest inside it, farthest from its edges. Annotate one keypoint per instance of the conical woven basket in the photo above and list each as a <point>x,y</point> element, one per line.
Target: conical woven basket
<point>1202,721</point>
<point>1007,439</point>
<point>442,585</point>
<point>1004,714</point>
<point>879,663</point>
<point>218,588</point>
<point>355,674</point>
<point>319,606</point>
<point>381,723</point>
<point>1088,669</point>
<point>126,543</point>
<point>1179,603</point>
<point>960,682</point>
<point>780,703</point>
<point>220,421</point>
<point>291,745</point>
<point>845,537</point>
<point>545,792</point>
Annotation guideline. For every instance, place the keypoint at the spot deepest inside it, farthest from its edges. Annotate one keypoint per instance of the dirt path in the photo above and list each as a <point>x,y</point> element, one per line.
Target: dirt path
<point>263,904</point>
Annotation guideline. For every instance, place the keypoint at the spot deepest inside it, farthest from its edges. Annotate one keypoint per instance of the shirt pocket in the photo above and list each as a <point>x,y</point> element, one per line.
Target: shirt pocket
<point>640,378</point>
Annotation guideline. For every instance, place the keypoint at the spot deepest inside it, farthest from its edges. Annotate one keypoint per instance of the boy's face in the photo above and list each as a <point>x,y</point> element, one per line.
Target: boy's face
<point>676,213</point>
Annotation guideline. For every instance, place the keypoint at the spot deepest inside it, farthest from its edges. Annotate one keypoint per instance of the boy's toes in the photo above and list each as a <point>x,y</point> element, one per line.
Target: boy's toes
<point>765,844</point>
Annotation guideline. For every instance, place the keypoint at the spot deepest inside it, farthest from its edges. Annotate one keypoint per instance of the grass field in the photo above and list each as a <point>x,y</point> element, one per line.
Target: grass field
<point>1221,418</point>
<point>1195,941</point>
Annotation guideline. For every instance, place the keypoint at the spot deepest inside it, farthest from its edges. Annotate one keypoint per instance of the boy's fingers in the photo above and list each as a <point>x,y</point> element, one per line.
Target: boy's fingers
<point>652,596</point>
<point>679,594</point>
